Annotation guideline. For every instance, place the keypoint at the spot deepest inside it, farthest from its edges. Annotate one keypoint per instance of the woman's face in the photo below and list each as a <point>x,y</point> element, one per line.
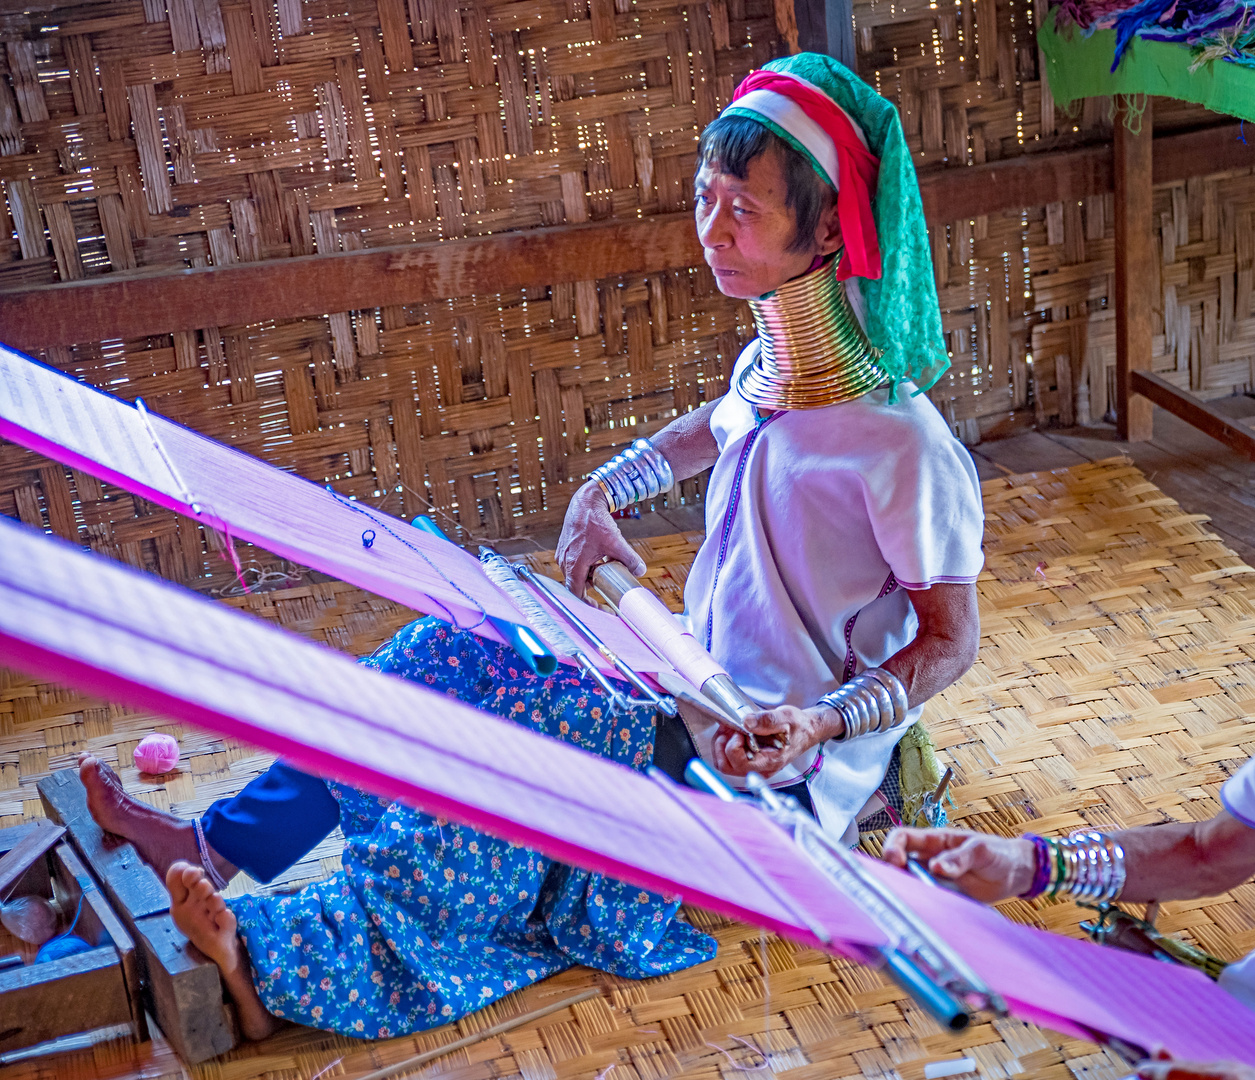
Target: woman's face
<point>746,228</point>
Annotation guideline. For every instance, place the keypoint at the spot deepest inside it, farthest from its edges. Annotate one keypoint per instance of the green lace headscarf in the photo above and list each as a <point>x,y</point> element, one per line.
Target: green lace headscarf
<point>902,315</point>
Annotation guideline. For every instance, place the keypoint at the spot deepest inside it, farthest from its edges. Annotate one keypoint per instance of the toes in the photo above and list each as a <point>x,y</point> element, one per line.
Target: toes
<point>201,890</point>
<point>192,876</point>
<point>225,920</point>
<point>176,881</point>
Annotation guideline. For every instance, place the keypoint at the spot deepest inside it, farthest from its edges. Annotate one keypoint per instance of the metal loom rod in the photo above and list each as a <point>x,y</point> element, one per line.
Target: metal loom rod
<point>543,585</point>
<point>500,572</point>
<point>920,980</point>
<point>909,934</point>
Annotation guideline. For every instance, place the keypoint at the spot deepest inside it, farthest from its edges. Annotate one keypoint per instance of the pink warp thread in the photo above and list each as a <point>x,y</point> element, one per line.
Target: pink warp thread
<point>157,753</point>
<point>233,558</point>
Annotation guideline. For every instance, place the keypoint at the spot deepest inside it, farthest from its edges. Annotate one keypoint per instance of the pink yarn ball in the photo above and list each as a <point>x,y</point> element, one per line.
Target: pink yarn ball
<point>157,753</point>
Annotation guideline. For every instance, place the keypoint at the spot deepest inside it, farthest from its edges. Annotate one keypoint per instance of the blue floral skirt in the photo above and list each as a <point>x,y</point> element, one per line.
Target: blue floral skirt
<point>429,920</point>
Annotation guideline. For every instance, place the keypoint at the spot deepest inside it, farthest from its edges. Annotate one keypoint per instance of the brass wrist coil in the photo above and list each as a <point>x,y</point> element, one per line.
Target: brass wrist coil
<point>812,350</point>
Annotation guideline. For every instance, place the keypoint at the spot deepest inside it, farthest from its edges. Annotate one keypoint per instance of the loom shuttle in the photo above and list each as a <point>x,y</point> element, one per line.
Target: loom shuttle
<point>534,652</point>
<point>665,705</point>
<point>942,1005</point>
<point>704,778</point>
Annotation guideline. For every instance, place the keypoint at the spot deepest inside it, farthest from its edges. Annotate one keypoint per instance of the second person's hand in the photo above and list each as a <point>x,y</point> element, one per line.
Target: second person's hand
<point>986,868</point>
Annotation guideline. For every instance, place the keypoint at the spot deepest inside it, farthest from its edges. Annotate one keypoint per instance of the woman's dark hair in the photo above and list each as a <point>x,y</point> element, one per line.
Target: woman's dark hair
<point>730,143</point>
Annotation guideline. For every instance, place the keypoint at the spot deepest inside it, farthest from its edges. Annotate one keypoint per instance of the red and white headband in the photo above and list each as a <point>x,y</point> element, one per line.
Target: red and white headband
<point>835,145</point>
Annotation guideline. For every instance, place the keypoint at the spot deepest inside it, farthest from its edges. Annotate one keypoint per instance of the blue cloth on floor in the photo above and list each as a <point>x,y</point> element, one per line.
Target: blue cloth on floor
<point>429,920</point>
<point>272,824</point>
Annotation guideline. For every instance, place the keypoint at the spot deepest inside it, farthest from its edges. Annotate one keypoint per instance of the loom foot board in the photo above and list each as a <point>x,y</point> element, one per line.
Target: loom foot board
<point>181,990</point>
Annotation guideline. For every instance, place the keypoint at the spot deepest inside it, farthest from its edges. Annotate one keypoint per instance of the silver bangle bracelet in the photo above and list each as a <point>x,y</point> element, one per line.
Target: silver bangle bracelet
<point>1093,867</point>
<point>873,701</point>
<point>896,691</point>
<point>636,474</point>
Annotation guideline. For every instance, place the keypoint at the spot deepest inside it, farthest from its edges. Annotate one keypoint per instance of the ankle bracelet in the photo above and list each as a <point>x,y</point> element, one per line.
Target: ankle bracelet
<point>211,871</point>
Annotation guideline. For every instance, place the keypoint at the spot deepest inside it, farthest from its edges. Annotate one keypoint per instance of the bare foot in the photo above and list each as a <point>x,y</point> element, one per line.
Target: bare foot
<point>159,837</point>
<point>210,925</point>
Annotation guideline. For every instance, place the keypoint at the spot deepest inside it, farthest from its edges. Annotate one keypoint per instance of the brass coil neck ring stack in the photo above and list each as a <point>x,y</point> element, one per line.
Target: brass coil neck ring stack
<point>812,350</point>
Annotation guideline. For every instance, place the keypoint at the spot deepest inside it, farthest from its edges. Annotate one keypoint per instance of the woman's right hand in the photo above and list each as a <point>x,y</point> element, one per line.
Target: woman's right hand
<point>589,534</point>
<point>986,868</point>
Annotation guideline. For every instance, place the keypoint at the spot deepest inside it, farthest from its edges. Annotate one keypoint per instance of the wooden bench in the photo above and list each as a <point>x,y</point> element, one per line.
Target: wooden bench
<point>99,988</point>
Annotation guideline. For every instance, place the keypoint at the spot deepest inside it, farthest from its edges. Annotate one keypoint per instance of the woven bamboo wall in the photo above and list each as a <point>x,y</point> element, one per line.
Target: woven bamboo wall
<point>1202,279</point>
<point>163,136</point>
<point>156,135</point>
<point>966,82</point>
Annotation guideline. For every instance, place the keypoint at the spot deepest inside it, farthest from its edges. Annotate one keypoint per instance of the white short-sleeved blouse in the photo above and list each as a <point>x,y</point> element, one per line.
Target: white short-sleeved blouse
<point>817,523</point>
<point>1238,797</point>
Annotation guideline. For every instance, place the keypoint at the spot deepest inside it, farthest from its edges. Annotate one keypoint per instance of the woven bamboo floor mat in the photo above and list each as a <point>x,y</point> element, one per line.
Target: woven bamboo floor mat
<point>1113,685</point>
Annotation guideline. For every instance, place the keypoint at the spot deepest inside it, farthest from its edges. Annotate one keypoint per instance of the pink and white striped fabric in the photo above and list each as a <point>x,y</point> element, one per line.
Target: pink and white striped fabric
<point>244,497</point>
<point>131,638</point>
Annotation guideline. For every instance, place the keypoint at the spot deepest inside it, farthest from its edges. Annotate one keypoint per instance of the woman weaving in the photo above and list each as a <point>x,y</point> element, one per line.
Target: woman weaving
<point>844,530</point>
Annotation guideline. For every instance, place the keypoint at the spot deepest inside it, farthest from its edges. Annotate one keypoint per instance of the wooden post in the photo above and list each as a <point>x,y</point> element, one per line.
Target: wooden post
<point>839,17</point>
<point>812,25</point>
<point>1134,251</point>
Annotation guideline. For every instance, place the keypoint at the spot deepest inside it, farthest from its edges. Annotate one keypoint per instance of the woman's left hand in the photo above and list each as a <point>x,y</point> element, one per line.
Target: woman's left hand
<point>795,730</point>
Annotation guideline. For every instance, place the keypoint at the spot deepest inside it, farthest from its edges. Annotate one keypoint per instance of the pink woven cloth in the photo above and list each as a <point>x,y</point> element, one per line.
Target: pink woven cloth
<point>245,498</point>
<point>120,634</point>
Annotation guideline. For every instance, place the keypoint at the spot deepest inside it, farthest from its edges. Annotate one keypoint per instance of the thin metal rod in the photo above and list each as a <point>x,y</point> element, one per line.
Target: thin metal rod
<point>543,585</point>
<point>419,1060</point>
<point>906,931</point>
<point>546,624</point>
<point>618,702</point>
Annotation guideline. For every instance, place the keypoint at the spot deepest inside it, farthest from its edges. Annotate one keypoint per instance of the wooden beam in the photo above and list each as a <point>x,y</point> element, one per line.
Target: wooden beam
<point>1153,388</point>
<point>1199,153</point>
<point>182,991</point>
<point>26,852</point>
<point>812,25</point>
<point>1011,184</point>
<point>1037,179</point>
<point>135,305</point>
<point>1134,267</point>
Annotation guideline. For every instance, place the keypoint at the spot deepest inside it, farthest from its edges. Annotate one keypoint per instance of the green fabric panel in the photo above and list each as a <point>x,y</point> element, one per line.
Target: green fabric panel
<point>1078,67</point>
<point>903,317</point>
